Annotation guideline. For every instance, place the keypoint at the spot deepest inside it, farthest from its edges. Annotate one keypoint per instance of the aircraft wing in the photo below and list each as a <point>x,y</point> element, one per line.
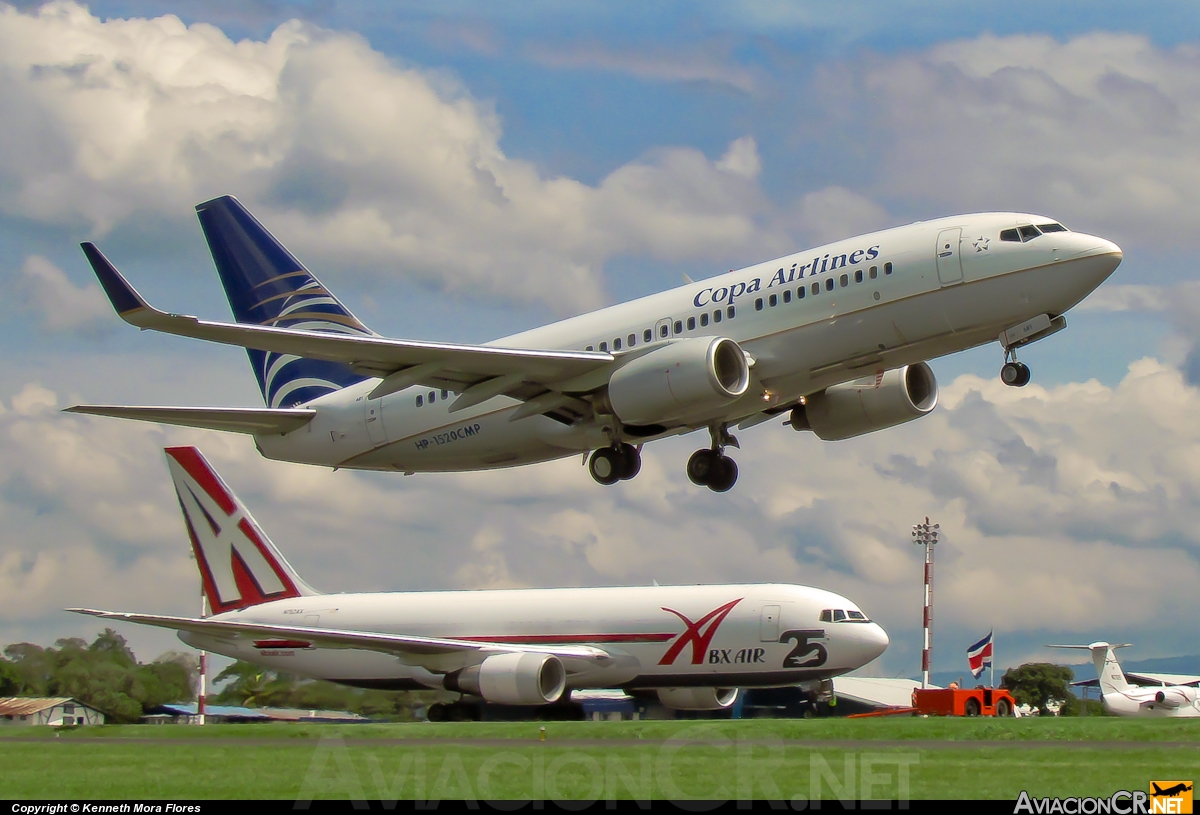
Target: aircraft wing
<point>438,655</point>
<point>237,420</point>
<point>489,370</point>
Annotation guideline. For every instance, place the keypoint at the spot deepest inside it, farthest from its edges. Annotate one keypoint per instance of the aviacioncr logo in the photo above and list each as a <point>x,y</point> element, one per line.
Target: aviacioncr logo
<point>698,634</point>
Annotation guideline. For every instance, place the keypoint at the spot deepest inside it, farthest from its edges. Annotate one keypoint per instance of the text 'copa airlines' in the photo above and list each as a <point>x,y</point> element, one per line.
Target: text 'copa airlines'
<point>727,294</point>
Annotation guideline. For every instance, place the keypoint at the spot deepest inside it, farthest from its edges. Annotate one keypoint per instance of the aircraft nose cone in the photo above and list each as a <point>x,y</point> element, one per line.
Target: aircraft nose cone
<point>877,639</point>
<point>1109,248</point>
<point>1093,246</point>
<point>870,641</point>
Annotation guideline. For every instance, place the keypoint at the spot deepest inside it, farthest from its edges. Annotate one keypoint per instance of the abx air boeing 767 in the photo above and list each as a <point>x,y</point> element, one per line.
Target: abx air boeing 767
<point>835,337</point>
<point>692,646</point>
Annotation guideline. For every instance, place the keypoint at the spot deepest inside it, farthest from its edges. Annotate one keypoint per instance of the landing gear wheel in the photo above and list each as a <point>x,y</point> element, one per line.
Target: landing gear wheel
<point>606,466</point>
<point>1015,374</point>
<point>724,474</point>
<point>436,712</point>
<point>631,461</point>
<point>700,466</point>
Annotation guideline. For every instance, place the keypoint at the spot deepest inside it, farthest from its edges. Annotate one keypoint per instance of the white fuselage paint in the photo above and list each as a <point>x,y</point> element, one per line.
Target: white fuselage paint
<point>927,307</point>
<point>1176,701</point>
<point>770,635</point>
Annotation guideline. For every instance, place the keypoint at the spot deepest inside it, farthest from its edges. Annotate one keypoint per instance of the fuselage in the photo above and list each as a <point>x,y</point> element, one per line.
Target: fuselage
<point>808,320</point>
<point>1166,701</point>
<point>658,636</point>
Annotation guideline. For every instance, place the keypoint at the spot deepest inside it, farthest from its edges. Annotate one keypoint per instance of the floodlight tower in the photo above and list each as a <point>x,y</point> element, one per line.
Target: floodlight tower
<point>926,535</point>
<point>200,699</point>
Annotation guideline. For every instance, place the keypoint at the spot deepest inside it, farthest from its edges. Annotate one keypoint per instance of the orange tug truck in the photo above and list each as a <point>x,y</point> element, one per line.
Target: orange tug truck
<point>963,702</point>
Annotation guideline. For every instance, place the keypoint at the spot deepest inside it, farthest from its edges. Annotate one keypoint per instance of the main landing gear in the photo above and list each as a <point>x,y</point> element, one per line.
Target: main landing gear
<point>712,468</point>
<point>608,465</point>
<point>1013,373</point>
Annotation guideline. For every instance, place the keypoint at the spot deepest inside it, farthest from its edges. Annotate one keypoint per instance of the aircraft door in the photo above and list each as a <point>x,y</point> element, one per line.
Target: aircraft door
<point>949,261</point>
<point>662,329</point>
<point>373,410</point>
<point>768,624</point>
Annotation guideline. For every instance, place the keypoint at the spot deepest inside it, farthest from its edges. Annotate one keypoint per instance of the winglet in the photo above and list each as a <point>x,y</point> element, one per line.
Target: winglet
<point>123,296</point>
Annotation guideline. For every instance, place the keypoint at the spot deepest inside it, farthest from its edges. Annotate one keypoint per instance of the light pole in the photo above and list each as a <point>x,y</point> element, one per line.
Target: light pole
<point>200,700</point>
<point>926,535</point>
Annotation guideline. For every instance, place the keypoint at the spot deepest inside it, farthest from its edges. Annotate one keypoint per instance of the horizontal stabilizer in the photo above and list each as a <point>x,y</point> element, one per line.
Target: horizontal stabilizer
<point>256,421</point>
<point>436,653</point>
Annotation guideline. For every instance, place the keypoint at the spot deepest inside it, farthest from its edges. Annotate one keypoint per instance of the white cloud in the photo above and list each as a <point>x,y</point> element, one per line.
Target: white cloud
<point>1070,509</point>
<point>834,212</point>
<point>1128,297</point>
<point>1097,130</point>
<point>703,62</point>
<point>352,159</point>
<point>61,304</point>
<point>741,158</point>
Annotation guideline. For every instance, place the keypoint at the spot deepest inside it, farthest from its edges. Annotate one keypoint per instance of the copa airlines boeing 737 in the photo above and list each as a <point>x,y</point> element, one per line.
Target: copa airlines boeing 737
<point>1123,699</point>
<point>836,337</point>
<point>694,645</point>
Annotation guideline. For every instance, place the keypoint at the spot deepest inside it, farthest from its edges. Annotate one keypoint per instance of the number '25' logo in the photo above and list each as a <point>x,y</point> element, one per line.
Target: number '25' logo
<point>813,651</point>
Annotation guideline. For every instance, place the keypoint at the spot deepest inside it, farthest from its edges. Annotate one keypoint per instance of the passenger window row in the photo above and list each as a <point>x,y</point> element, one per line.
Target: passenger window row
<point>830,283</point>
<point>668,329</point>
<point>432,397</point>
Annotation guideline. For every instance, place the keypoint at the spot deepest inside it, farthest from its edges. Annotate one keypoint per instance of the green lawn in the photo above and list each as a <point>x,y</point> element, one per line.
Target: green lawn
<point>930,758</point>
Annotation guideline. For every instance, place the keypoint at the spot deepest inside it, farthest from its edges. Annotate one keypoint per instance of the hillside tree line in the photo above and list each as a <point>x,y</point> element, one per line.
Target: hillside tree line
<point>105,675</point>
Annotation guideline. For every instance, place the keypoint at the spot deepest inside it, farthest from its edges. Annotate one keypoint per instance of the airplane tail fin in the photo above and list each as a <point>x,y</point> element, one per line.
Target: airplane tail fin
<point>239,566</point>
<point>1108,671</point>
<point>267,285</point>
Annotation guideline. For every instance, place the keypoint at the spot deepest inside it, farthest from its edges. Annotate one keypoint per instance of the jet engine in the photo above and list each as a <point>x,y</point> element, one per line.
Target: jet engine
<point>872,403</point>
<point>692,377</point>
<point>513,679</point>
<point>697,698</point>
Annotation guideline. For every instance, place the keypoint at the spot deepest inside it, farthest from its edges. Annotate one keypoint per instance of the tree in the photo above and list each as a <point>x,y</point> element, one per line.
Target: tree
<point>10,679</point>
<point>104,674</point>
<point>253,686</point>
<point>112,645</point>
<point>1037,684</point>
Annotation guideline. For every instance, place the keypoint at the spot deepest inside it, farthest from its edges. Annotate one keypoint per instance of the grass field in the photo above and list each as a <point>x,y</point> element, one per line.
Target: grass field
<point>827,758</point>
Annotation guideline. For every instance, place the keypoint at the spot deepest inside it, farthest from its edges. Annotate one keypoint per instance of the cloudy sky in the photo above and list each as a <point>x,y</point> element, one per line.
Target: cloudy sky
<point>460,171</point>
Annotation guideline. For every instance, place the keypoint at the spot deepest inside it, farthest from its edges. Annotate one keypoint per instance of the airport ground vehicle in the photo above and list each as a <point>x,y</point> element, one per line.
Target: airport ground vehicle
<point>963,702</point>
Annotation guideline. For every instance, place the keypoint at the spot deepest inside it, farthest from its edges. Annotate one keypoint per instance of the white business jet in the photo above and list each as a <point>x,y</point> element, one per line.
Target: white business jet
<point>1124,699</point>
<point>692,645</point>
<point>836,337</point>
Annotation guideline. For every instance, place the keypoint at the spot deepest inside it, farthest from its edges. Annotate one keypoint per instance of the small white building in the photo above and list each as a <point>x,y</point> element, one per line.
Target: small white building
<point>55,711</point>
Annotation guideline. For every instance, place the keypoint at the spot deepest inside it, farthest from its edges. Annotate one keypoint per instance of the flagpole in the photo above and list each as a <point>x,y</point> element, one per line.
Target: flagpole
<point>993,658</point>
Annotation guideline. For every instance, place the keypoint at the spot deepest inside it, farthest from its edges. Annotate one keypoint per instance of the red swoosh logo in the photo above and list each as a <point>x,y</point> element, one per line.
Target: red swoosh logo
<point>698,633</point>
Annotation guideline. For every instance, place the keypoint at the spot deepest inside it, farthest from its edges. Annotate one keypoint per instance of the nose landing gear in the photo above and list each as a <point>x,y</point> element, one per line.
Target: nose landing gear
<point>608,465</point>
<point>712,468</point>
<point>1012,373</point>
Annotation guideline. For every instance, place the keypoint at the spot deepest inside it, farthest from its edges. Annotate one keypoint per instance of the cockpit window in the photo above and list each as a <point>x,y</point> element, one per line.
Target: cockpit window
<point>856,615</point>
<point>1028,232</point>
<point>827,615</point>
<point>1010,235</point>
<point>1052,227</point>
<point>838,615</point>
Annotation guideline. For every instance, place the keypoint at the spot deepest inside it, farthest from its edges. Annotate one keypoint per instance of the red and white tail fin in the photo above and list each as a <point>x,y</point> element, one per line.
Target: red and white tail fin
<point>239,565</point>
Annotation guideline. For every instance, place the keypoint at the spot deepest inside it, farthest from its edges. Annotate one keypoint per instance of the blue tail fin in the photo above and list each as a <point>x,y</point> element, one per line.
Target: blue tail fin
<point>266,285</point>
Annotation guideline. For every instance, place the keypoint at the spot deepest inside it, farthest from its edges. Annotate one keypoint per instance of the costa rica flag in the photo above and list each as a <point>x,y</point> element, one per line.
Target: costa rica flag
<point>979,655</point>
